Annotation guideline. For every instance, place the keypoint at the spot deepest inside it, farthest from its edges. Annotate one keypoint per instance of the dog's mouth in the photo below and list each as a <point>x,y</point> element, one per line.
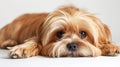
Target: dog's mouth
<point>72,54</point>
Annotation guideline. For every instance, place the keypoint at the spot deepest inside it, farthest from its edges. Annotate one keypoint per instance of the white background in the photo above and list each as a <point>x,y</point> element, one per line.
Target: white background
<point>107,10</point>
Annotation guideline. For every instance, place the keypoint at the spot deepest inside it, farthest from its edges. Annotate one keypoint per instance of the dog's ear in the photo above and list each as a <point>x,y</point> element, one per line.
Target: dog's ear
<point>105,36</point>
<point>106,45</point>
<point>107,31</point>
<point>102,31</point>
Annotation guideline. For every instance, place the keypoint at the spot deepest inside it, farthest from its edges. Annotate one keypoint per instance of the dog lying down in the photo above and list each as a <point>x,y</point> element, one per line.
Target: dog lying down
<point>65,32</point>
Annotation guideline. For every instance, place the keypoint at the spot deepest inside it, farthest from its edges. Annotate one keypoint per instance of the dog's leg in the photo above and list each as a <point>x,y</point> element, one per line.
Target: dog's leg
<point>110,50</point>
<point>27,49</point>
<point>8,43</point>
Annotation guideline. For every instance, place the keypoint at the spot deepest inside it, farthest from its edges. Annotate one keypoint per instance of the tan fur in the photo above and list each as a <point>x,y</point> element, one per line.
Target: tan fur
<point>28,49</point>
<point>22,28</point>
<point>35,34</point>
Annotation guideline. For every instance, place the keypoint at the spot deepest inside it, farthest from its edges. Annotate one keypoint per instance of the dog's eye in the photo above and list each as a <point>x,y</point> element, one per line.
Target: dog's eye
<point>83,34</point>
<point>60,34</point>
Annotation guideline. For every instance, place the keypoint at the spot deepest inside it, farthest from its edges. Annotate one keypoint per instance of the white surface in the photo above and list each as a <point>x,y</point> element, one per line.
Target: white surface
<point>39,61</point>
<point>107,10</point>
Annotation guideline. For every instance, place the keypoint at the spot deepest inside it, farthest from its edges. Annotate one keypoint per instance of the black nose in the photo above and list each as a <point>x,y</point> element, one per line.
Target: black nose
<point>72,46</point>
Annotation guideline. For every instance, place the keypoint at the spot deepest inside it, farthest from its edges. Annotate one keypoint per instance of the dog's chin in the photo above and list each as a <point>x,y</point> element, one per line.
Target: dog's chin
<point>73,54</point>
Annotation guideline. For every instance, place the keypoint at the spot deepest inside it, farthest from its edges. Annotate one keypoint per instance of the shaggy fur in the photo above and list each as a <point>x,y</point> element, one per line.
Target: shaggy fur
<point>37,34</point>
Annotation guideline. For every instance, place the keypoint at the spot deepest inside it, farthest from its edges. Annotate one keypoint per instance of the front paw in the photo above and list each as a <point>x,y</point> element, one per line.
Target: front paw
<point>18,52</point>
<point>111,51</point>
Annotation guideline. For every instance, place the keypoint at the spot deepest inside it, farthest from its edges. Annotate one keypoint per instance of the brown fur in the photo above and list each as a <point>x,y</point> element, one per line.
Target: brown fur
<point>22,28</point>
<point>35,34</point>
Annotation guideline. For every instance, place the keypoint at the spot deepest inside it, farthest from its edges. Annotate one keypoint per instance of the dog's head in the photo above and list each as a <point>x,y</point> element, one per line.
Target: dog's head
<point>70,31</point>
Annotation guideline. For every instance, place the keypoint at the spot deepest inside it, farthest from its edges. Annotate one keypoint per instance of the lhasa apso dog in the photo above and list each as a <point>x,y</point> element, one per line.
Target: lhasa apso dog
<point>66,32</point>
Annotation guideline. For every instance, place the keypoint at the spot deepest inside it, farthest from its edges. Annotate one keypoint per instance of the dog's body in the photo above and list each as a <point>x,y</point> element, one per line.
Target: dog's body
<point>22,28</point>
<point>67,31</point>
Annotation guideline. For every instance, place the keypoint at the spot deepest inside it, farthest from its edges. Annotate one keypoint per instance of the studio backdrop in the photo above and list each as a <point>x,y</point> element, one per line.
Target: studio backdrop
<point>107,10</point>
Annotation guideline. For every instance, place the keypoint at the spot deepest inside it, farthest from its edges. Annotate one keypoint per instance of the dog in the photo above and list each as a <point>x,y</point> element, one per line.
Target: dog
<point>65,32</point>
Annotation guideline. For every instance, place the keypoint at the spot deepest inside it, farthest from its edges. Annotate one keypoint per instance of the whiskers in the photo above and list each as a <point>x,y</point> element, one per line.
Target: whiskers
<point>59,50</point>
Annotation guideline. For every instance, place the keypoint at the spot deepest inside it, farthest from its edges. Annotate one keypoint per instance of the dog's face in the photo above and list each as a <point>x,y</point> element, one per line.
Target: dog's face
<point>71,32</point>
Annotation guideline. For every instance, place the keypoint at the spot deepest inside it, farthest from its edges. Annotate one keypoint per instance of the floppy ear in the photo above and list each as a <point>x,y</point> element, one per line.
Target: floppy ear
<point>104,41</point>
<point>106,35</point>
<point>106,45</point>
<point>103,34</point>
<point>107,32</point>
